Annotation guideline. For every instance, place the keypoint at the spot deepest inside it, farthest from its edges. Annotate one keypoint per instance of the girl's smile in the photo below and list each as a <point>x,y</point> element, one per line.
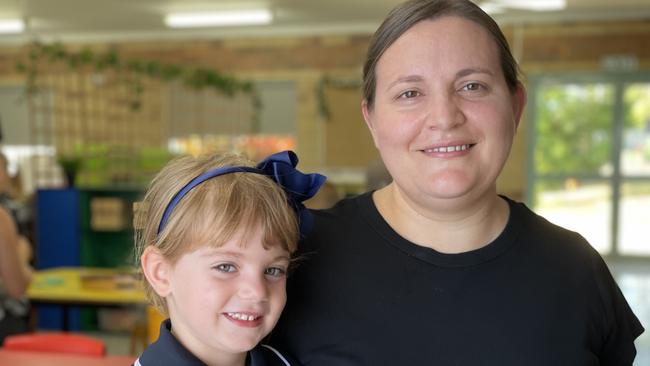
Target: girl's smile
<point>244,319</point>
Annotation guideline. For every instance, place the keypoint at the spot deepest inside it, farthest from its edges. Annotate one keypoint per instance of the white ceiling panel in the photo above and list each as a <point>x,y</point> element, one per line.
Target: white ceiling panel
<point>88,20</point>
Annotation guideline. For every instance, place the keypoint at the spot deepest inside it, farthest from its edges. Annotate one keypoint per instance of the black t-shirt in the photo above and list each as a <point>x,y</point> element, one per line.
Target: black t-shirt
<point>168,351</point>
<point>537,295</point>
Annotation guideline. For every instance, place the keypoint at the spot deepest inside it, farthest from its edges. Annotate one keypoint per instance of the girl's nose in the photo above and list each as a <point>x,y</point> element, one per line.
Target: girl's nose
<point>253,288</point>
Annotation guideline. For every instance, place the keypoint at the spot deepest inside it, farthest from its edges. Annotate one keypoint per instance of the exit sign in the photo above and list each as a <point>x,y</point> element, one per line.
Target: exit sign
<point>619,63</point>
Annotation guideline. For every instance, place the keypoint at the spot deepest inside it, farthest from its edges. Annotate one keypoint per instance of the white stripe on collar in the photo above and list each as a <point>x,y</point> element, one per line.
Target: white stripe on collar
<point>277,353</point>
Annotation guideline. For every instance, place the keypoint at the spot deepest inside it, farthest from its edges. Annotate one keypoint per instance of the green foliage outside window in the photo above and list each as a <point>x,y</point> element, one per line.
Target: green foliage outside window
<point>574,128</point>
<point>637,117</point>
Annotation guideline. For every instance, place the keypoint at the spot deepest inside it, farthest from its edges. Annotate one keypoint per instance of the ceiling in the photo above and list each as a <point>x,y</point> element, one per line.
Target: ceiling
<point>95,20</point>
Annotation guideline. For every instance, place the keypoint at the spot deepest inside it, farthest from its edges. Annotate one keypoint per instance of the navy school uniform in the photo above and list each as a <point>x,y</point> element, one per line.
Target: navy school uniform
<point>168,351</point>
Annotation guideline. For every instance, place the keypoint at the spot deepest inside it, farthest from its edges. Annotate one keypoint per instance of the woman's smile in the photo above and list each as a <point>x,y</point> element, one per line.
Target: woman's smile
<point>448,150</point>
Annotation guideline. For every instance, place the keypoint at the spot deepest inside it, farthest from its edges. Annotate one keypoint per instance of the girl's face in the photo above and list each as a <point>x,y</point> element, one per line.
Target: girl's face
<point>443,118</point>
<point>223,301</point>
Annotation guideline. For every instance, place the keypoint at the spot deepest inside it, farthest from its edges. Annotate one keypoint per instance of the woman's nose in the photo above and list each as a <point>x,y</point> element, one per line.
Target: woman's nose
<point>444,112</point>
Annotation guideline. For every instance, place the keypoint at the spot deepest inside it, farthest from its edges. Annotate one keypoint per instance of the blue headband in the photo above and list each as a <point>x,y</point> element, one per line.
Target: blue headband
<point>281,168</point>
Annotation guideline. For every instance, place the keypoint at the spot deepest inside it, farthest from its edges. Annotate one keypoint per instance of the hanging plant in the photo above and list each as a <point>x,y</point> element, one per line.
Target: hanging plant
<point>132,71</point>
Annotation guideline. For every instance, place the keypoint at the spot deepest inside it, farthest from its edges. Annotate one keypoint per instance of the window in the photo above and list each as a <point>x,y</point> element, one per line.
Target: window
<point>589,171</point>
<point>590,158</point>
<point>208,122</point>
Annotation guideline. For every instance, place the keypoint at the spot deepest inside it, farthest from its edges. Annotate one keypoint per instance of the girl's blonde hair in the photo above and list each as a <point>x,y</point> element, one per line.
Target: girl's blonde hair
<point>212,212</point>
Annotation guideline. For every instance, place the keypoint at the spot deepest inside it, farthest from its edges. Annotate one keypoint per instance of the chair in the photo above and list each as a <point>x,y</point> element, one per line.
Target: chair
<point>56,342</point>
<point>154,318</point>
<point>146,330</point>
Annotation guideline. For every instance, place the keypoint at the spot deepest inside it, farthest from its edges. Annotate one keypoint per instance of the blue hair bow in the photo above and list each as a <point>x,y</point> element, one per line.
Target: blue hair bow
<point>281,167</point>
<point>299,187</point>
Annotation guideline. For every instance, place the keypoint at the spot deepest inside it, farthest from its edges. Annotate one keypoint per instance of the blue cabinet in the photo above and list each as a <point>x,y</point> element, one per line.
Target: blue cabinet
<point>70,233</point>
<point>57,244</point>
<point>57,228</point>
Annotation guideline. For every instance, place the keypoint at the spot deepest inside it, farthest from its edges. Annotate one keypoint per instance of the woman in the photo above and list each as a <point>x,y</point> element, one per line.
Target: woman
<point>15,275</point>
<point>436,268</point>
<point>15,270</point>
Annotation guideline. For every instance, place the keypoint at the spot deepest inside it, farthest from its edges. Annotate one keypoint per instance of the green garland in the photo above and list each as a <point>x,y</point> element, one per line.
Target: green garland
<point>133,71</point>
<point>329,82</point>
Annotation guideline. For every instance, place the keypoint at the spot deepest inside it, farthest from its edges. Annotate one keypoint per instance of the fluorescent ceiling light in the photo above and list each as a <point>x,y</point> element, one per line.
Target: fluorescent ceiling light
<point>492,8</point>
<point>219,19</point>
<point>11,26</point>
<point>534,5</point>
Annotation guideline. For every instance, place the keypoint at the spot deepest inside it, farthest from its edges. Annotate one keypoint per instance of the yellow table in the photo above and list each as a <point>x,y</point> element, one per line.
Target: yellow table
<point>86,286</point>
<point>89,286</point>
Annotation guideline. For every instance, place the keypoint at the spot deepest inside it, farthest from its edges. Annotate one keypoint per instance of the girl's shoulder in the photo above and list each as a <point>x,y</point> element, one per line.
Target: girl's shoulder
<point>269,356</point>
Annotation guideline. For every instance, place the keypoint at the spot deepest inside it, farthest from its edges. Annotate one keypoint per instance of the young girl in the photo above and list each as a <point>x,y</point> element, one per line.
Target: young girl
<point>215,241</point>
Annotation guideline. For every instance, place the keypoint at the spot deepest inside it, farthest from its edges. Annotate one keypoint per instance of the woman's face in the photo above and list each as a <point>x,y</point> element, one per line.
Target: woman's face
<point>443,117</point>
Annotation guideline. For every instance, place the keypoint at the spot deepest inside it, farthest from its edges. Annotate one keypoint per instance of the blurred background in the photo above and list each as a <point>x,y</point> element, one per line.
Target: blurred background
<point>96,96</point>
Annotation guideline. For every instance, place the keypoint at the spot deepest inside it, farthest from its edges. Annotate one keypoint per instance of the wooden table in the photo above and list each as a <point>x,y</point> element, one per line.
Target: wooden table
<point>24,358</point>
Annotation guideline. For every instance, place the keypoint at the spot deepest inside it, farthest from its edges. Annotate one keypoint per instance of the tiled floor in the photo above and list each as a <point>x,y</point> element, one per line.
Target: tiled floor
<point>634,281</point>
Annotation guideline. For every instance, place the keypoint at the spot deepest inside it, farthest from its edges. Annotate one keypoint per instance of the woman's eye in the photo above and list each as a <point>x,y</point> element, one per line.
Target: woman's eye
<point>409,94</point>
<point>275,272</point>
<point>472,87</point>
<point>225,267</point>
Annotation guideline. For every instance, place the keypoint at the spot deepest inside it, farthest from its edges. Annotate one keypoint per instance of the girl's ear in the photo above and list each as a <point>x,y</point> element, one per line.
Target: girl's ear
<point>157,270</point>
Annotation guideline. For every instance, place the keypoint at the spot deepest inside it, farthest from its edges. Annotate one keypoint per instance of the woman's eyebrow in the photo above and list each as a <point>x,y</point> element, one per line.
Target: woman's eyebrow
<point>461,73</point>
<point>406,79</point>
<point>473,70</point>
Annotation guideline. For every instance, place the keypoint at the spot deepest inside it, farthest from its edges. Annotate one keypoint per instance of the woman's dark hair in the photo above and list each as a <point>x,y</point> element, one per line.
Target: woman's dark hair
<point>408,14</point>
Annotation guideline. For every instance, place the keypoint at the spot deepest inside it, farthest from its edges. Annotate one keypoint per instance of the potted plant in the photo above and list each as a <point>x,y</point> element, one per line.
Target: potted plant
<point>71,164</point>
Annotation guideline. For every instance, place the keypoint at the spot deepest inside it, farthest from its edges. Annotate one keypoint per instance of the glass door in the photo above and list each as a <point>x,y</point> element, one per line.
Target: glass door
<point>634,212</point>
<point>589,171</point>
<point>573,145</point>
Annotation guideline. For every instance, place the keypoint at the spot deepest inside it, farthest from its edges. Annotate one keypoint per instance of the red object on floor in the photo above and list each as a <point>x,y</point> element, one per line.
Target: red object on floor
<point>56,343</point>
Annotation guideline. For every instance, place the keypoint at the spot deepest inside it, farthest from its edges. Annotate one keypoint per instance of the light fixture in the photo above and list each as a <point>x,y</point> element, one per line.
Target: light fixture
<point>219,19</point>
<point>11,26</point>
<point>532,5</point>
<point>492,8</point>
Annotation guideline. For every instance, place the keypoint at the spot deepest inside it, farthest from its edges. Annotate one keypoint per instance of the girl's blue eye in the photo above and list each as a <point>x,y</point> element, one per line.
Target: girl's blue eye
<point>225,267</point>
<point>274,272</point>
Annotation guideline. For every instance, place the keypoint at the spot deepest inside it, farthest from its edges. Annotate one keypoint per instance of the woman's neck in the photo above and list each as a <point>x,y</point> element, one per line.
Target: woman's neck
<point>447,226</point>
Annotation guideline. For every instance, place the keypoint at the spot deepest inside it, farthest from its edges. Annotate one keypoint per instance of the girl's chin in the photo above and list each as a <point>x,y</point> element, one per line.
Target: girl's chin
<point>241,346</point>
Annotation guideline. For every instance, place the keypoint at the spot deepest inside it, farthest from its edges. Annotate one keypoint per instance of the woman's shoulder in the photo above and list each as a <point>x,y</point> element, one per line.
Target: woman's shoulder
<point>349,214</point>
<point>347,207</point>
<point>554,245</point>
<point>536,227</point>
